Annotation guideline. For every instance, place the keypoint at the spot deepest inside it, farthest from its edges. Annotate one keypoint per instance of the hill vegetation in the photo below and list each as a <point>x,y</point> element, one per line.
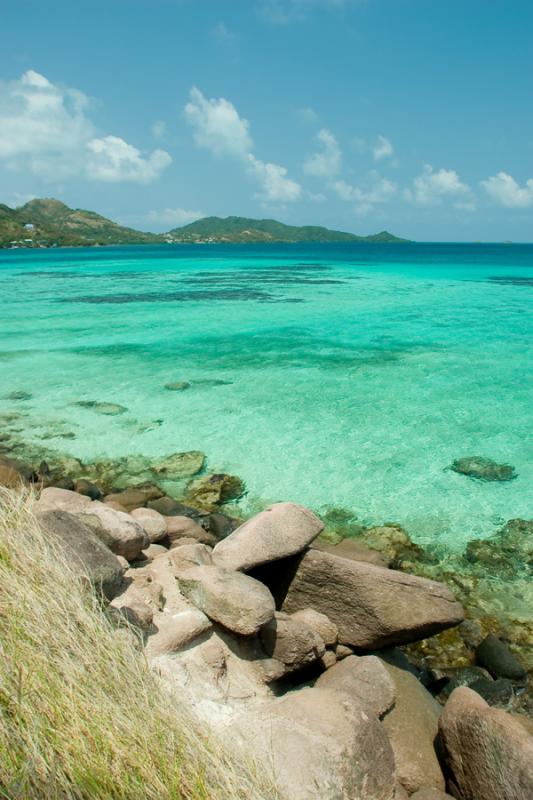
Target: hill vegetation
<point>50,223</point>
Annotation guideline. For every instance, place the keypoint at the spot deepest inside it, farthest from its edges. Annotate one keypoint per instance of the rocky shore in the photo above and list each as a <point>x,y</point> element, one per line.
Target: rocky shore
<point>347,660</point>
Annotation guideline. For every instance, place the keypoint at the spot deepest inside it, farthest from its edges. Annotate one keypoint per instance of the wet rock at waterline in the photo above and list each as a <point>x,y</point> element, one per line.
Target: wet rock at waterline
<point>180,465</point>
<point>215,489</point>
<point>484,469</point>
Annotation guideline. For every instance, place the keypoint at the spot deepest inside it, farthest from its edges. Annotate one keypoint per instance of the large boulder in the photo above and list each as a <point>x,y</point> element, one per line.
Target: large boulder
<point>119,531</point>
<point>319,744</point>
<point>291,642</point>
<point>282,530</point>
<point>54,499</point>
<point>412,726</point>
<point>489,754</point>
<point>236,601</point>
<point>371,607</point>
<point>365,678</point>
<point>89,556</point>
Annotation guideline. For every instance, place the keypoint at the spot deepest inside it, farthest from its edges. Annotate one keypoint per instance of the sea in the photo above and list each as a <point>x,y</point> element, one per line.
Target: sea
<point>340,376</point>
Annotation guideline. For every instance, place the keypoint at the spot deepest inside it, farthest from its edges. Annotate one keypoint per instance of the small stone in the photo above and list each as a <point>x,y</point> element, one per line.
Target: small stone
<point>89,489</point>
<point>215,489</point>
<point>176,631</point>
<point>107,409</point>
<point>180,465</point>
<point>484,469</point>
<point>329,659</point>
<point>153,551</point>
<point>135,496</point>
<point>185,556</point>
<point>179,528</point>
<point>343,651</point>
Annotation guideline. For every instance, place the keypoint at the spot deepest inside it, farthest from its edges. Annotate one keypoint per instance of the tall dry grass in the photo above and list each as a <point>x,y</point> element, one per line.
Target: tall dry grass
<point>81,715</point>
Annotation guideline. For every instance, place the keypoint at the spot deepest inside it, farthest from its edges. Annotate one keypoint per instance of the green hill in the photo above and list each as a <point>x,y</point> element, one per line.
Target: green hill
<point>50,223</point>
<point>242,229</point>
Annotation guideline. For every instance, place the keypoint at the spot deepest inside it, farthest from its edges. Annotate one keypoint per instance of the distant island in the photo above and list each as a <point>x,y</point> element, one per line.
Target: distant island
<point>50,223</point>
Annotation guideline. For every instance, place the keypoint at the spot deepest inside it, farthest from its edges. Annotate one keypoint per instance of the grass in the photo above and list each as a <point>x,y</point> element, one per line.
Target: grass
<point>81,714</point>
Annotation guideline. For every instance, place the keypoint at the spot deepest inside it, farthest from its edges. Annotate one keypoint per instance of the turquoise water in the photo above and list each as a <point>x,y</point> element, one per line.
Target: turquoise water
<point>349,375</point>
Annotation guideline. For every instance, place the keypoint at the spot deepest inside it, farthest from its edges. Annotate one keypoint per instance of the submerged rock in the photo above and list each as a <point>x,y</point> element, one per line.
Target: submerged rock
<point>484,469</point>
<point>180,465</point>
<point>108,409</point>
<point>19,394</point>
<point>508,553</point>
<point>215,489</point>
<point>177,386</point>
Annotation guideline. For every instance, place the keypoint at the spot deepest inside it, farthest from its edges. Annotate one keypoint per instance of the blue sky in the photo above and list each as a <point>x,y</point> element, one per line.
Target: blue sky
<point>414,116</point>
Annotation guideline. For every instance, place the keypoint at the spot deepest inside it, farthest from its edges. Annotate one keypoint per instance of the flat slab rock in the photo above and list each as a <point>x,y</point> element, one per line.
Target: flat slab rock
<point>488,752</point>
<point>282,530</point>
<point>372,607</point>
<point>236,601</point>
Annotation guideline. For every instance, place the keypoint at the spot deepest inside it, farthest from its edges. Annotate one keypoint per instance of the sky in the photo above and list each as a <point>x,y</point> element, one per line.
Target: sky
<point>414,116</point>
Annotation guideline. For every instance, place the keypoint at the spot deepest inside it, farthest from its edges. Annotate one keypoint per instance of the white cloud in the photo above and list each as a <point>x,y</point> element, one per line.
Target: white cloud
<point>327,162</point>
<point>113,160</point>
<point>277,187</point>
<point>383,148</point>
<point>379,193</point>
<point>219,128</point>
<point>431,187</point>
<point>223,33</point>
<point>44,128</point>
<point>174,217</point>
<point>507,192</point>
<point>307,115</point>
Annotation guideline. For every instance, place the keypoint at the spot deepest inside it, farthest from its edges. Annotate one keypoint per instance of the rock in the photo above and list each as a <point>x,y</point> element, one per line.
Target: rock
<point>394,544</point>
<point>320,745</point>
<point>484,469</point>
<point>89,489</point>
<point>153,551</point>
<point>291,641</point>
<point>135,496</point>
<point>430,793</point>
<point>412,726</point>
<point>508,554</point>
<point>325,628</point>
<point>132,605</point>
<point>236,601</point>
<point>179,528</point>
<point>176,631</point>
<point>169,507</point>
<point>371,607</point>
<point>400,793</point>
<point>180,465</point>
<point>496,693</point>
<point>329,659</point>
<point>87,553</point>
<point>119,531</point>
<point>495,656</point>
<point>220,525</point>
<point>108,409</point>
<point>353,550</point>
<point>187,555</point>
<point>461,676</point>
<point>489,754</point>
<point>18,394</point>
<point>212,490</point>
<point>177,386</point>
<point>342,651</point>
<point>366,679</point>
<point>284,529</point>
<point>54,499</point>
<point>153,523</point>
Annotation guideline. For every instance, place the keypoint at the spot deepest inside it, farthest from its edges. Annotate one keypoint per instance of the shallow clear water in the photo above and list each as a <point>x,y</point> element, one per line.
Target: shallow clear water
<point>353,374</point>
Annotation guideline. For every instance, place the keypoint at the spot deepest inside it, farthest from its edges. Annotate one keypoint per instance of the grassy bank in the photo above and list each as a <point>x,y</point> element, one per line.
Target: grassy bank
<point>81,715</point>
